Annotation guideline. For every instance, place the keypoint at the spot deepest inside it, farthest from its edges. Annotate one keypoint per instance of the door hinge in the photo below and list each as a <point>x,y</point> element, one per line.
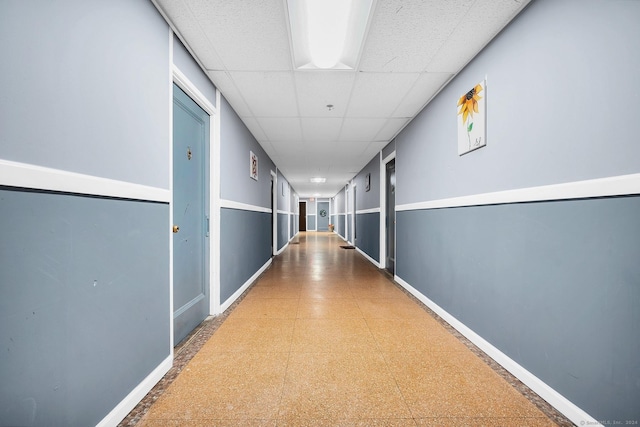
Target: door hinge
<point>207,229</point>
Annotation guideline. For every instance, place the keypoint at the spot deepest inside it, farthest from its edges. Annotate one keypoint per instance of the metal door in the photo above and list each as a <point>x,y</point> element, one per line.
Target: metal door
<point>391,216</point>
<point>190,151</point>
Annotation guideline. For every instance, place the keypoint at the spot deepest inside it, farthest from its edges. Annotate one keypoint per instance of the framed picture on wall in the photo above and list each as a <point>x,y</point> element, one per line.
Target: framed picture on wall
<point>367,182</point>
<point>253,165</point>
<point>472,119</point>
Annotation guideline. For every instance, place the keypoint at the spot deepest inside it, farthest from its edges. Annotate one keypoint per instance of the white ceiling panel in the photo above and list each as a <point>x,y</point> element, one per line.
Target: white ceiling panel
<point>228,89</point>
<point>391,129</point>
<point>316,89</point>
<point>422,91</point>
<point>361,129</point>
<point>255,128</point>
<point>406,34</point>
<point>281,129</point>
<point>190,29</point>
<point>485,19</point>
<point>248,34</point>
<point>411,49</point>
<point>321,129</point>
<point>269,94</point>
<point>379,94</point>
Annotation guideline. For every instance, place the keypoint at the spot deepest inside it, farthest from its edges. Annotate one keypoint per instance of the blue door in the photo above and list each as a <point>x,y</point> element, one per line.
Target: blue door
<point>190,283</point>
<point>323,216</point>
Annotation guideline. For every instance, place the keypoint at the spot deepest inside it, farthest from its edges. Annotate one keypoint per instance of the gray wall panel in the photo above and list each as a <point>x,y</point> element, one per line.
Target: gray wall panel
<point>245,246</point>
<point>311,222</point>
<point>235,144</point>
<point>105,88</point>
<point>350,233</point>
<point>190,68</point>
<point>555,286</point>
<point>368,199</point>
<point>84,304</point>
<point>283,230</point>
<point>368,228</point>
<point>341,229</point>
<point>535,138</point>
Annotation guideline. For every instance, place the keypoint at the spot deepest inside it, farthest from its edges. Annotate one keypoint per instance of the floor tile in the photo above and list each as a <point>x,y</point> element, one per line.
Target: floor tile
<point>390,308</point>
<point>418,334</point>
<point>328,308</point>
<point>332,335</point>
<point>455,384</point>
<point>225,386</point>
<point>262,308</point>
<point>484,422</point>
<point>340,386</point>
<point>251,335</point>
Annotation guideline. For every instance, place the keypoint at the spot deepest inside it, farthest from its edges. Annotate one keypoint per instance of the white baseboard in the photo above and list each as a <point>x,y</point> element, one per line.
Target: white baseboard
<point>371,260</point>
<point>225,305</point>
<point>279,251</point>
<point>555,399</point>
<point>123,408</point>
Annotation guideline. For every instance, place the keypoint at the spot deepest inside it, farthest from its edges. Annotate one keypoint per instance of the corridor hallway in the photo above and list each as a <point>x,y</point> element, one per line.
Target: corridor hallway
<point>324,338</point>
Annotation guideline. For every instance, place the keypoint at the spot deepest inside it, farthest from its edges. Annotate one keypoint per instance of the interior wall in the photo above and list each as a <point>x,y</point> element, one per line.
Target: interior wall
<point>547,283</point>
<point>84,279</point>
<point>244,249</point>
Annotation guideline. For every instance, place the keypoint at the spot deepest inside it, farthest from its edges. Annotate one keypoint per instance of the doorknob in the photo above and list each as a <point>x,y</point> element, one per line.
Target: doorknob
<point>176,228</point>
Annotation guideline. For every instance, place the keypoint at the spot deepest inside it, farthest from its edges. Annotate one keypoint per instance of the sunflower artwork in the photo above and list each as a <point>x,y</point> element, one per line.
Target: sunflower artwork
<point>472,119</point>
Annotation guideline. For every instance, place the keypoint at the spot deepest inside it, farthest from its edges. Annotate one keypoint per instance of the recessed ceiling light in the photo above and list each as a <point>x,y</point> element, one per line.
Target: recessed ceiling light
<point>318,179</point>
<point>328,34</point>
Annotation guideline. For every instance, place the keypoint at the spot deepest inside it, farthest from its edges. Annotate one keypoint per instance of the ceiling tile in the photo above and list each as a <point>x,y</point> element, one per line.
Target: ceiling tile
<point>248,34</point>
<point>405,34</point>
<point>191,32</point>
<point>378,94</point>
<point>228,89</point>
<point>316,89</point>
<point>321,129</point>
<point>485,19</point>
<point>269,94</point>
<point>255,129</point>
<point>361,129</point>
<point>281,129</point>
<point>390,129</point>
<point>422,91</point>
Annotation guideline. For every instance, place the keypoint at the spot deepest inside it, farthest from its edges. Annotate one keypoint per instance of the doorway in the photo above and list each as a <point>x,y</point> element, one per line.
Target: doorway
<point>391,216</point>
<point>303,216</point>
<point>191,132</point>
<point>322,221</point>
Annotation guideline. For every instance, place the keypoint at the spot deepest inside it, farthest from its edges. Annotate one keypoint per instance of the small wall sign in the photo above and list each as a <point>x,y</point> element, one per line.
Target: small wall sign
<point>253,165</point>
<point>472,107</point>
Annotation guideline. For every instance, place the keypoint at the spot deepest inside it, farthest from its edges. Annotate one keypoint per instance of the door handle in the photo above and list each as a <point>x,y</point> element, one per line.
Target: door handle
<point>176,228</point>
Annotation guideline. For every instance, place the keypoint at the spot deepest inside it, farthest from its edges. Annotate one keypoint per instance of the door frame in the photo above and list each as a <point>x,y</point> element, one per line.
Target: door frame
<point>212,167</point>
<point>383,207</point>
<point>274,213</point>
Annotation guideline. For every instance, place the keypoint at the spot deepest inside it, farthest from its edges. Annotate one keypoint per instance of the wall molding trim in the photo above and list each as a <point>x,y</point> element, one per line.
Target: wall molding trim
<point>23,175</point>
<point>225,305</point>
<point>367,211</point>
<point>622,185</point>
<point>123,408</point>
<point>230,204</point>
<point>555,399</point>
<point>371,260</point>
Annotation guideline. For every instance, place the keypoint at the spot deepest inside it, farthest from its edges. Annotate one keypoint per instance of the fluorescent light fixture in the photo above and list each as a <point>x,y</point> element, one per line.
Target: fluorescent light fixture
<point>318,179</point>
<point>328,34</point>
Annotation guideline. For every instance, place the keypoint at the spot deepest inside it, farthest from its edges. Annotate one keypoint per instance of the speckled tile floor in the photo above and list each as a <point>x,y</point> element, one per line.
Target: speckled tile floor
<point>323,338</point>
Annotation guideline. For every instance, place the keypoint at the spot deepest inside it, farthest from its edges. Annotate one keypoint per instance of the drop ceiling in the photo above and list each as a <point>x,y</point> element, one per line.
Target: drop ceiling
<point>412,48</point>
